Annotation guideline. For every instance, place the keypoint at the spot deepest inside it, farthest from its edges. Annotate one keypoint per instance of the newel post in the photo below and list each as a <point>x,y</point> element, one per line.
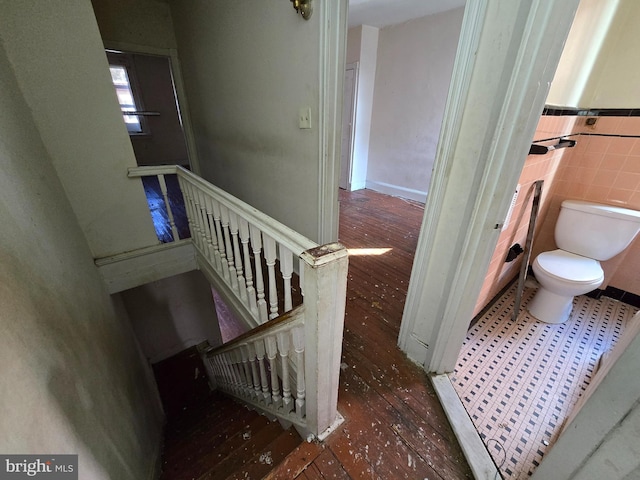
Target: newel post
<point>325,289</point>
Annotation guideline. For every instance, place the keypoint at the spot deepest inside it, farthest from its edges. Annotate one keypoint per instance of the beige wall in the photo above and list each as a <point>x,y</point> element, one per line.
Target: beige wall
<point>136,22</point>
<point>58,58</point>
<point>173,314</point>
<point>414,66</point>
<point>600,64</point>
<point>248,68</point>
<point>72,377</point>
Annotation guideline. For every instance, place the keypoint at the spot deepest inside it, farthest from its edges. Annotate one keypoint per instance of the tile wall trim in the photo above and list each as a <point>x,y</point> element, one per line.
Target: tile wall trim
<point>592,112</point>
<point>617,294</point>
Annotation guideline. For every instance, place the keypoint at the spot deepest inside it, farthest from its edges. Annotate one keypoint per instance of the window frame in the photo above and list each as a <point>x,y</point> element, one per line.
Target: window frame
<point>122,60</point>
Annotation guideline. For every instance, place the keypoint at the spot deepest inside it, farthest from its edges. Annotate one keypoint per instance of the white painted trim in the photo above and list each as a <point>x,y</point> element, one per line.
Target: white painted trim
<point>178,82</point>
<point>231,299</point>
<point>138,267</point>
<point>397,191</point>
<point>475,452</point>
<point>355,66</point>
<point>474,14</point>
<point>506,59</point>
<point>332,52</point>
<point>358,186</point>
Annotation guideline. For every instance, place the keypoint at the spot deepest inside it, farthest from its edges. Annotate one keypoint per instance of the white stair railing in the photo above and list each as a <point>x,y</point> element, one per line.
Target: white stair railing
<point>249,257</point>
<point>289,365</point>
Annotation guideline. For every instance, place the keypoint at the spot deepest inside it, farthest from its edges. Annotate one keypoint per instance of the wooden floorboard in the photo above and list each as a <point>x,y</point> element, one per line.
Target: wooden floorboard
<point>394,425</point>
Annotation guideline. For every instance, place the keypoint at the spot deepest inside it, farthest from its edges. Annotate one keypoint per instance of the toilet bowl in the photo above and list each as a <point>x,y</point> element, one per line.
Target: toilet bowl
<point>586,233</point>
<point>562,275</point>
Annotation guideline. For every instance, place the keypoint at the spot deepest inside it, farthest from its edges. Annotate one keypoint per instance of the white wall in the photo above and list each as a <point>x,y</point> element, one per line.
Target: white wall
<point>173,314</point>
<point>248,68</point>
<point>136,22</point>
<point>600,63</point>
<point>415,62</point>
<point>58,58</point>
<point>614,82</point>
<point>72,379</point>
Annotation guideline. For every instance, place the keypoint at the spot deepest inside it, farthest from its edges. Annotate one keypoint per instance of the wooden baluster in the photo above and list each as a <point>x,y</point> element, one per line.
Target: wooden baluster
<point>233,379</point>
<point>224,217</point>
<point>165,196</point>
<point>251,353</point>
<point>283,350</point>
<point>233,227</point>
<point>298,347</point>
<point>206,227</point>
<point>272,353</point>
<point>187,191</point>
<point>256,244</point>
<point>201,218</point>
<point>203,222</point>
<point>251,292</point>
<point>215,249</point>
<point>225,372</point>
<point>270,257</point>
<point>247,371</point>
<point>221,248</point>
<point>286,267</point>
<point>237,364</point>
<point>215,370</point>
<point>301,277</point>
<point>264,382</point>
<point>215,365</point>
<point>187,203</point>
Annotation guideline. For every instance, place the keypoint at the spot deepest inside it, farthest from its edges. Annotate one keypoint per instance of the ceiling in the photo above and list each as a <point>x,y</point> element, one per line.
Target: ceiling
<point>380,13</point>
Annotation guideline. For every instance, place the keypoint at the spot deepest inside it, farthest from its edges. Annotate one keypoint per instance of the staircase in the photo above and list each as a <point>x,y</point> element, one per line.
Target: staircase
<point>209,435</point>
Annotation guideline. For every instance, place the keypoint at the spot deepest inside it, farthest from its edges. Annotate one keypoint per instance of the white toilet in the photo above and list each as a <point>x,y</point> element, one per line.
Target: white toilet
<point>585,233</point>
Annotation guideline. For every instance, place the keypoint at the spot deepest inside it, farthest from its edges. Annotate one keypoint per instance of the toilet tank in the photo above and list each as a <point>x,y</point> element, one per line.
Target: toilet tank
<point>594,230</point>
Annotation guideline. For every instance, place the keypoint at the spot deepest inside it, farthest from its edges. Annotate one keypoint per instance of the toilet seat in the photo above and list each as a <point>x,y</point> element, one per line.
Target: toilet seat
<point>569,267</point>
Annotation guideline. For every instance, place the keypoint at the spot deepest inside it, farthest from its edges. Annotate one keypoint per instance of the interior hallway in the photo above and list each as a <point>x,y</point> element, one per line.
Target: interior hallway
<point>394,424</point>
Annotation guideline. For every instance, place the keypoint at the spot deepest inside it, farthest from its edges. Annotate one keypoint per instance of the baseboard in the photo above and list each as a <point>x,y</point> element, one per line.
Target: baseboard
<point>145,265</point>
<point>397,191</point>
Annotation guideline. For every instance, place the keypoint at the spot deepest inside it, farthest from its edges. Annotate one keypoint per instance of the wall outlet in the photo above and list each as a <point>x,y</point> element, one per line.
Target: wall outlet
<point>304,118</point>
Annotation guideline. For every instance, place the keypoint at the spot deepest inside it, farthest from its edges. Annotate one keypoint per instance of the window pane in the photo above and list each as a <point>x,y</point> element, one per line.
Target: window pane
<point>125,97</point>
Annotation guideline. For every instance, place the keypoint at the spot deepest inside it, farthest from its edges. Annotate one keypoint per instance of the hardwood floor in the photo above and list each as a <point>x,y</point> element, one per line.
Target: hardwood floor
<point>394,425</point>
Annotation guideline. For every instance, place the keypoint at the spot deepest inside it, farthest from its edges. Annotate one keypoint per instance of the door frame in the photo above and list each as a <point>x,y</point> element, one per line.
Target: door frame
<point>355,67</point>
<point>178,83</point>
<point>507,56</point>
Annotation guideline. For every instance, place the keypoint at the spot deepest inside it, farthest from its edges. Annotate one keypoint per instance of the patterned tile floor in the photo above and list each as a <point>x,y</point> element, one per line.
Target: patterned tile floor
<point>519,380</point>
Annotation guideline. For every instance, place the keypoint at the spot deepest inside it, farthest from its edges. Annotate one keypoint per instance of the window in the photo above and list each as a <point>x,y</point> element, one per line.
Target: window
<point>120,78</point>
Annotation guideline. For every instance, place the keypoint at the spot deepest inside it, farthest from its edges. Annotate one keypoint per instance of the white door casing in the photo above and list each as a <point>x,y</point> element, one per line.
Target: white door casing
<point>348,124</point>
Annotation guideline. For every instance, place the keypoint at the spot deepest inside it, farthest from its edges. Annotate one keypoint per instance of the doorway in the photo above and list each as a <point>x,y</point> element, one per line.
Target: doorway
<point>147,96</point>
<point>348,125</point>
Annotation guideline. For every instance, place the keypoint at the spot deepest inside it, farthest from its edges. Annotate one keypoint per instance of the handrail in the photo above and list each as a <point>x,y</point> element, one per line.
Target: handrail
<point>241,250</point>
<point>283,321</point>
<point>288,366</point>
<point>296,242</point>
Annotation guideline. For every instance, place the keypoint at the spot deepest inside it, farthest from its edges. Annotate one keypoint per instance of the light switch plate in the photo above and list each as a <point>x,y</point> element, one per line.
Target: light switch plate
<point>304,117</point>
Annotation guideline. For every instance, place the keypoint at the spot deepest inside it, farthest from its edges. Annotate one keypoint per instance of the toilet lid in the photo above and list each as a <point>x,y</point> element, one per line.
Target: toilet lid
<point>569,266</point>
